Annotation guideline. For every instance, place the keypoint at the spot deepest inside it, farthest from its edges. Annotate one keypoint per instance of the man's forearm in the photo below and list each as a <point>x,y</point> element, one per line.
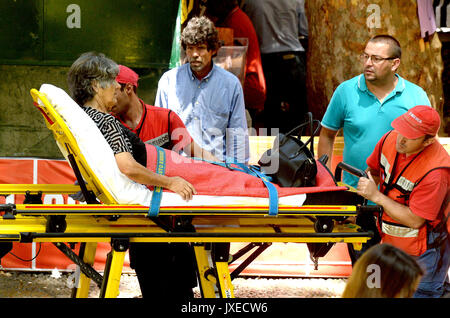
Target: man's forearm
<point>399,212</point>
<point>194,150</point>
<point>325,147</point>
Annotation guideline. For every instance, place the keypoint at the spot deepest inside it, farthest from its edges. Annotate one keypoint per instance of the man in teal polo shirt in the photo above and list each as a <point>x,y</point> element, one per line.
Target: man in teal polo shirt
<point>365,105</point>
<point>364,108</point>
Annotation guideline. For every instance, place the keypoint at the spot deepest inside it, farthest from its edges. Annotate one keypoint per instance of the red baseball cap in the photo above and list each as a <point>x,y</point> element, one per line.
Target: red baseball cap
<point>127,75</point>
<point>417,122</point>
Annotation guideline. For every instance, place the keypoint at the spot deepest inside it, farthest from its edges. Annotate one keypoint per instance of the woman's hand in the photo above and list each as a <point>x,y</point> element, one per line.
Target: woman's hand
<point>181,187</point>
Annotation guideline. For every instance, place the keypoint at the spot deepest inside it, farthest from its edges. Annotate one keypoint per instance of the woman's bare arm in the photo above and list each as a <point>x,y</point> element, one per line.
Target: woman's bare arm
<point>140,174</point>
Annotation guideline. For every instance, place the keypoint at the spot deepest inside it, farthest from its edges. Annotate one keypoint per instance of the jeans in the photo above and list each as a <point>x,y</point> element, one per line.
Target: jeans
<point>435,283</point>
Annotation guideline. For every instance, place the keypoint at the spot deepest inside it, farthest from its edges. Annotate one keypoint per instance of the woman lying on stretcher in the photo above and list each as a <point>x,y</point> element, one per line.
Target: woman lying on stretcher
<point>92,84</point>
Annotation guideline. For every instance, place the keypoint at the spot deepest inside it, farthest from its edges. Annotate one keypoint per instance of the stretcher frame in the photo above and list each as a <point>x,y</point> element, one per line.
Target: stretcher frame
<point>210,229</point>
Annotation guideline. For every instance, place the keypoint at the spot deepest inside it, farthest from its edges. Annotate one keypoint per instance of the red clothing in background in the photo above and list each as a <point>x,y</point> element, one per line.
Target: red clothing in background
<point>254,84</point>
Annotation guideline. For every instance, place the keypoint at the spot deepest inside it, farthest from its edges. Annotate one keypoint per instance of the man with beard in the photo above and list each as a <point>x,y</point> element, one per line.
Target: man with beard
<point>365,106</point>
<point>207,98</point>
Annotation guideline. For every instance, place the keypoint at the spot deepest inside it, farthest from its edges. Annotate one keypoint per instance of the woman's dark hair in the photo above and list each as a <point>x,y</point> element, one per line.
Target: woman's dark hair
<point>200,30</point>
<point>399,274</point>
<point>89,69</point>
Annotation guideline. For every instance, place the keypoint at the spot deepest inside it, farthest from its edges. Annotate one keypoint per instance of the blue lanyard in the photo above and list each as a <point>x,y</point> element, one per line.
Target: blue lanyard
<point>157,191</point>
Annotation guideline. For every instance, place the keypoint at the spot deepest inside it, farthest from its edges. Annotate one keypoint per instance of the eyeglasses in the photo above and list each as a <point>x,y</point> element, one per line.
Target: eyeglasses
<point>374,58</point>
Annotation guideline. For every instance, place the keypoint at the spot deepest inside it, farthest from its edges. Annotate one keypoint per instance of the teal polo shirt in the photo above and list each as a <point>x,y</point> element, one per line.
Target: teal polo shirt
<point>364,119</point>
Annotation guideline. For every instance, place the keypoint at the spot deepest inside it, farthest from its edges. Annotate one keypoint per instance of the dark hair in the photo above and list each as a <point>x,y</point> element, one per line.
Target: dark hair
<point>427,137</point>
<point>399,274</point>
<point>90,68</point>
<point>200,30</point>
<point>395,48</point>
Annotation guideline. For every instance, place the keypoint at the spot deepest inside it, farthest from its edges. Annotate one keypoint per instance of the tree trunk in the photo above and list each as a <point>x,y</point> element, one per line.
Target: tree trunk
<point>338,32</point>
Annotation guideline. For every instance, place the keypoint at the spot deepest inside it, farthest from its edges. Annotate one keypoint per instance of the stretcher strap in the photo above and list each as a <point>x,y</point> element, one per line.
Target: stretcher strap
<point>273,193</point>
<point>157,191</point>
<point>253,170</point>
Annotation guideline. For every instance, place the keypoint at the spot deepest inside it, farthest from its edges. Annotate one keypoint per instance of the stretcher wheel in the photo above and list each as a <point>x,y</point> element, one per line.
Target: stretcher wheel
<point>323,225</point>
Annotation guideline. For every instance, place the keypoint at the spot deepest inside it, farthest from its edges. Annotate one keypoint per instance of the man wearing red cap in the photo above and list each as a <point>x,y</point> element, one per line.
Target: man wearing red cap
<point>158,266</point>
<point>413,171</point>
<point>154,125</point>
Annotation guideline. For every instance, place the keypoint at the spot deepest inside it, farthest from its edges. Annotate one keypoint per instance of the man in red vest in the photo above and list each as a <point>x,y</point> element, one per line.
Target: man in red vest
<point>413,171</point>
<point>158,266</point>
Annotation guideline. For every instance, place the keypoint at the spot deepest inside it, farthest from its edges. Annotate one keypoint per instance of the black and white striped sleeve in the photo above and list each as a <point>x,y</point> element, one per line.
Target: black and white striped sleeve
<point>111,130</point>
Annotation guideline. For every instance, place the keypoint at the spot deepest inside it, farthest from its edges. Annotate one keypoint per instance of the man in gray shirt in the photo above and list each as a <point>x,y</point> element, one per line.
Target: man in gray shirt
<point>278,24</point>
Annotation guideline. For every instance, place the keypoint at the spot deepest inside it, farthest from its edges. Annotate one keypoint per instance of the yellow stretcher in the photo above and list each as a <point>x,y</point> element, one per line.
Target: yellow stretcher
<point>209,229</point>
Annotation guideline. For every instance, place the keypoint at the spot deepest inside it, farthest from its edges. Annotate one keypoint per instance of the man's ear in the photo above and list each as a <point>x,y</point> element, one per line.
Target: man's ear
<point>395,64</point>
<point>214,52</point>
<point>129,88</point>
<point>429,141</point>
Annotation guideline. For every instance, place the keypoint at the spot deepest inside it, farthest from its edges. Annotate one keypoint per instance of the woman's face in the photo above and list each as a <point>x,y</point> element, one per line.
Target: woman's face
<point>107,97</point>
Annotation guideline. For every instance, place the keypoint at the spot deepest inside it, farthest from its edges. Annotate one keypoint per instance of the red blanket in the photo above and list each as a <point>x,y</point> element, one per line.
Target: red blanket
<point>211,179</point>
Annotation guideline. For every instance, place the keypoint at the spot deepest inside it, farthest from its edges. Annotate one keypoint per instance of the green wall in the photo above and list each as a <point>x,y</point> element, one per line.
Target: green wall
<point>40,40</point>
<point>22,129</point>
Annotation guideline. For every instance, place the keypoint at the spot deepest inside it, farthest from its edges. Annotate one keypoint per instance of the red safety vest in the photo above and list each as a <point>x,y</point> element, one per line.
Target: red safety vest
<point>399,187</point>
